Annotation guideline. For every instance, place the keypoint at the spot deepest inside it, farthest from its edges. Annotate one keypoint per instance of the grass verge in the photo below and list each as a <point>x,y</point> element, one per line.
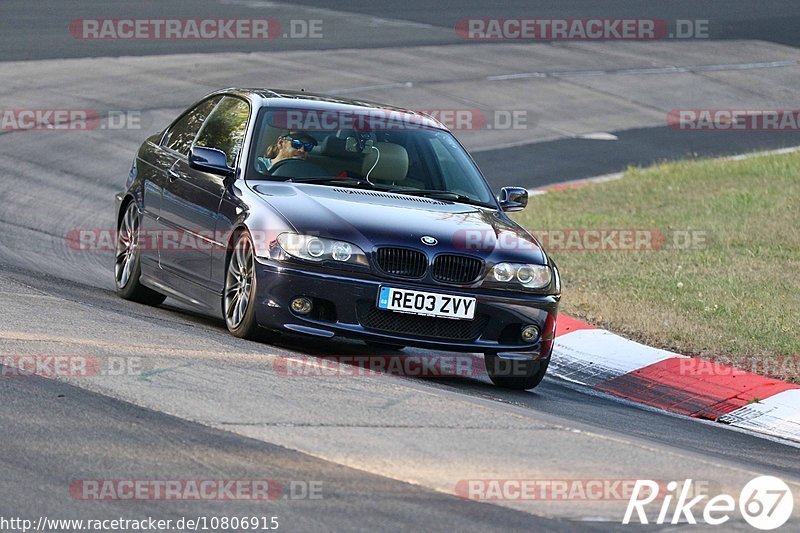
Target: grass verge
<point>722,277</point>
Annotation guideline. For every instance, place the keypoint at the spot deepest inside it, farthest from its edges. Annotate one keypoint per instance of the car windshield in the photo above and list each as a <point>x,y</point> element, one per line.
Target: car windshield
<point>377,149</point>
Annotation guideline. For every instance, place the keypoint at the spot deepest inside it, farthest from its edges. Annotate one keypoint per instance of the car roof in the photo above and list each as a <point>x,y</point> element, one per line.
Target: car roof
<point>315,101</point>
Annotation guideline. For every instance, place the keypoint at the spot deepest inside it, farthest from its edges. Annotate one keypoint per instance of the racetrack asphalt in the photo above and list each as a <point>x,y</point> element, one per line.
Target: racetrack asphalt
<point>431,433</point>
<point>137,443</point>
<point>389,450</point>
<point>40,33</point>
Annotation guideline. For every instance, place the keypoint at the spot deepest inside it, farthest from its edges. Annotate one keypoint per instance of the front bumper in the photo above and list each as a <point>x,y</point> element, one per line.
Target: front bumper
<point>344,305</point>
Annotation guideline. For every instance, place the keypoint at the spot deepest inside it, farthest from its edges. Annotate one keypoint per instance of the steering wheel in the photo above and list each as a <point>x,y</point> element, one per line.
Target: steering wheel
<point>296,168</point>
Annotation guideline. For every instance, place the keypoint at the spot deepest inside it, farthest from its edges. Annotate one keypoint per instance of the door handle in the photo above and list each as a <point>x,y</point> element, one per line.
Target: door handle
<point>173,174</point>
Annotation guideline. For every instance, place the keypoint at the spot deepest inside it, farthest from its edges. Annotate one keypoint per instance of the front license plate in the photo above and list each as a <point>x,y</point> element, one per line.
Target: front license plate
<point>426,303</point>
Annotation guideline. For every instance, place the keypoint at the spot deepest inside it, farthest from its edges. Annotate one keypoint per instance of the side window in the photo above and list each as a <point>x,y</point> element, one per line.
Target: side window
<point>184,131</point>
<point>225,128</point>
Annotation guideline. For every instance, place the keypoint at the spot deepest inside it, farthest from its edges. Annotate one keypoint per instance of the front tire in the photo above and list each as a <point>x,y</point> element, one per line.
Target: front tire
<point>127,266</point>
<point>239,297</point>
<point>514,374</point>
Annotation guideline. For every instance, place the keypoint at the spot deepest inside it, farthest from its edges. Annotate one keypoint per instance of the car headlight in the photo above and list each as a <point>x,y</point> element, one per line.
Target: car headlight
<point>529,276</point>
<point>317,249</point>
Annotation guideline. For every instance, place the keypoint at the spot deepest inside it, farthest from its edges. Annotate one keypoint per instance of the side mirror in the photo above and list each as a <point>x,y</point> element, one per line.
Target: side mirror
<point>209,160</point>
<point>513,198</point>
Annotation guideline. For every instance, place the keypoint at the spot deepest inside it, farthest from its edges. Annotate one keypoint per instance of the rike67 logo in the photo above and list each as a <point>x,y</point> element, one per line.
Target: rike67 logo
<point>765,503</point>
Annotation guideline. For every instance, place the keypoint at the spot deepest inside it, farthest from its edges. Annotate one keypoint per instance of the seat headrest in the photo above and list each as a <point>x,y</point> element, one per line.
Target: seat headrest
<point>387,162</point>
<point>333,146</point>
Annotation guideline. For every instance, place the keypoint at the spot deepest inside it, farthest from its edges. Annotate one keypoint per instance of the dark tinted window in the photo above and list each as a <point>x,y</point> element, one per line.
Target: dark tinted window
<point>184,131</point>
<point>225,128</point>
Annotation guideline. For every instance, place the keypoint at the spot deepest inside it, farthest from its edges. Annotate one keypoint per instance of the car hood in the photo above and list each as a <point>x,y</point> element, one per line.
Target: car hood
<point>372,219</point>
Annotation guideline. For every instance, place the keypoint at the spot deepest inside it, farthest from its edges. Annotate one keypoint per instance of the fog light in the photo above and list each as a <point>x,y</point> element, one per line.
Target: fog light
<point>302,305</point>
<point>529,333</point>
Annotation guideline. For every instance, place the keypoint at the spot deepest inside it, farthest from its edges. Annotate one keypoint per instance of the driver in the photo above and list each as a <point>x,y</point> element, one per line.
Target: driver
<point>292,145</point>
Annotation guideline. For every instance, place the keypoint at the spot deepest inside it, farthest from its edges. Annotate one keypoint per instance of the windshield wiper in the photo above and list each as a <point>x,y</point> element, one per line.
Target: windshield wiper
<point>443,195</point>
<point>344,181</point>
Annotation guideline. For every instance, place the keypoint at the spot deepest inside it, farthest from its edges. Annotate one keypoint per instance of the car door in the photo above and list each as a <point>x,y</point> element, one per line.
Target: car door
<point>175,143</point>
<point>191,199</point>
<point>149,167</point>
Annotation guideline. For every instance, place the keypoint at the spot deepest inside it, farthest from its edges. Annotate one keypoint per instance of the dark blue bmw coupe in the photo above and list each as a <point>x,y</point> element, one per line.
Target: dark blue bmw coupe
<point>296,212</point>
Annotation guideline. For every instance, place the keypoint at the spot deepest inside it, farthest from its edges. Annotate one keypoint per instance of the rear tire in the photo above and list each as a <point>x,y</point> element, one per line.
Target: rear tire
<point>514,374</point>
<point>127,267</point>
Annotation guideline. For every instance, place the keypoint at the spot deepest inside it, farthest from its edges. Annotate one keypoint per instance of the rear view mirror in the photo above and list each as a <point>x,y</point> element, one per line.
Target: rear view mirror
<point>351,145</point>
<point>513,198</point>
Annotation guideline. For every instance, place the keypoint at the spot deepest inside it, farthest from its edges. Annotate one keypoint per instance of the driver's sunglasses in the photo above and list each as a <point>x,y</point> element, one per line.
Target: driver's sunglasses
<point>297,144</point>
